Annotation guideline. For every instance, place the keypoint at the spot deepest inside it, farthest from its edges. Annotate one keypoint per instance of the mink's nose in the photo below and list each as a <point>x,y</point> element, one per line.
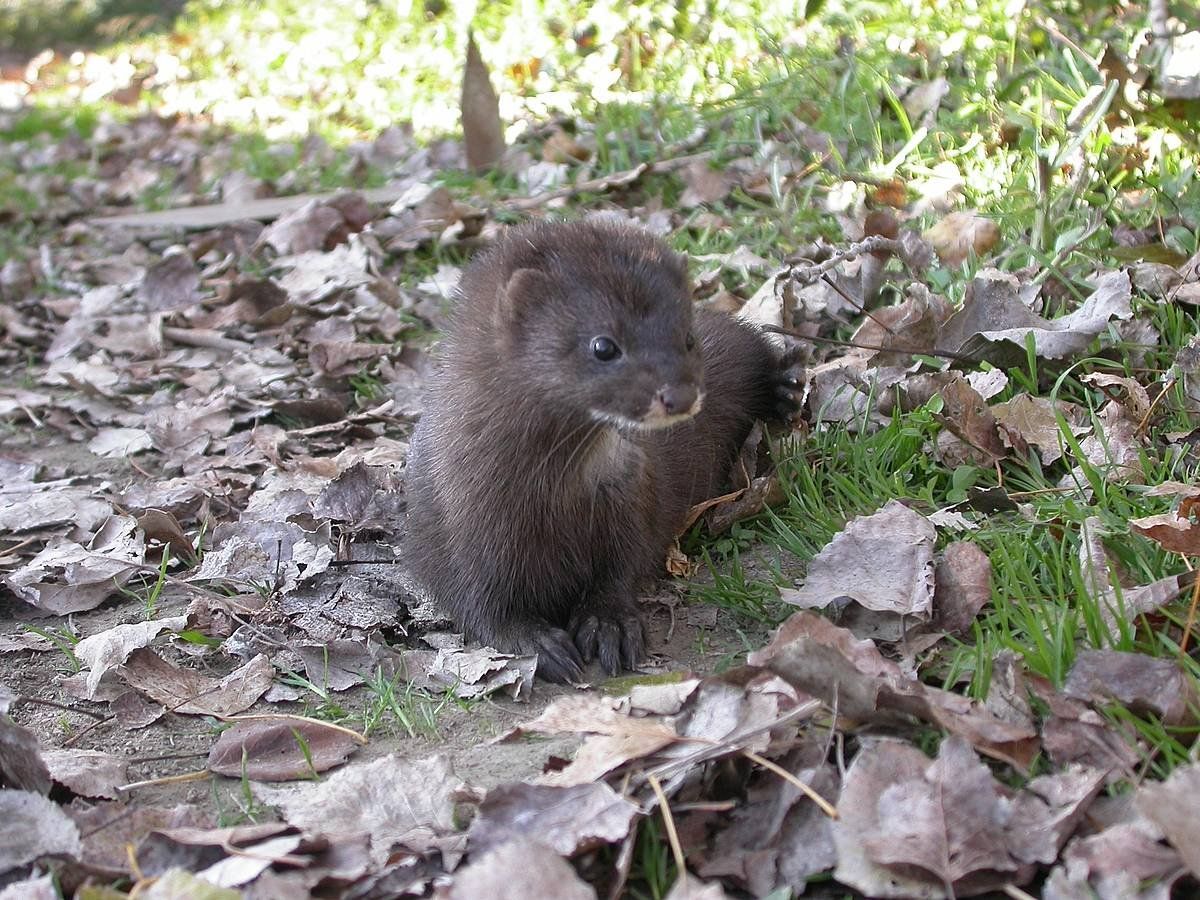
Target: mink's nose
<point>676,399</point>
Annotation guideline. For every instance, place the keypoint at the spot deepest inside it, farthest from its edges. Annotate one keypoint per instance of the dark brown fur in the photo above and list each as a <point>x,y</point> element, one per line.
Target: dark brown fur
<point>537,506</point>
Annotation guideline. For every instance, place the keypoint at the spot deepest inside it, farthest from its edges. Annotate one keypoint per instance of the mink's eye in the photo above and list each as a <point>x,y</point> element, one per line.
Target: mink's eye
<point>690,343</point>
<point>605,348</point>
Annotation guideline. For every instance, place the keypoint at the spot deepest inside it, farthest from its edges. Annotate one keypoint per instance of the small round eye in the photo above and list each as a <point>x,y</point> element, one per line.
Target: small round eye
<point>605,348</point>
<point>691,342</point>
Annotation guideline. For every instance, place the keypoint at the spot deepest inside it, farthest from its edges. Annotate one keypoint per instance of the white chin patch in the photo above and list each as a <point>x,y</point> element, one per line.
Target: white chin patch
<point>649,422</point>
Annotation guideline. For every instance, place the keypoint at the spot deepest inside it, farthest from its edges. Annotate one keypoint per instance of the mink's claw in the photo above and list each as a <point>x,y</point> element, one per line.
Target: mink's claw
<point>789,383</point>
<point>558,660</point>
<point>617,641</point>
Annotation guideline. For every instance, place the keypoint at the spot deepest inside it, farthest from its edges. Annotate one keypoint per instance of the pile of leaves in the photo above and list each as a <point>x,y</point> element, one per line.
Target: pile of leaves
<point>205,415</point>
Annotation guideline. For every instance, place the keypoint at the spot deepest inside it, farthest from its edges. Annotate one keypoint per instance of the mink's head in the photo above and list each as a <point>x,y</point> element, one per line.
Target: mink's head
<point>594,316</point>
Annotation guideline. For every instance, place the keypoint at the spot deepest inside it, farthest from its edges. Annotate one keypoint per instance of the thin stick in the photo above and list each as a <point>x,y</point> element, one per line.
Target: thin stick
<point>37,701</point>
<point>1191,619</point>
<point>669,821</point>
<point>199,775</point>
<point>825,806</point>
<point>818,339</point>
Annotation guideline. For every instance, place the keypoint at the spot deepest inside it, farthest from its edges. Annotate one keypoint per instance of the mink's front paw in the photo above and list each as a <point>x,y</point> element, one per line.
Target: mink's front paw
<point>789,383</point>
<point>558,660</point>
<point>616,639</point>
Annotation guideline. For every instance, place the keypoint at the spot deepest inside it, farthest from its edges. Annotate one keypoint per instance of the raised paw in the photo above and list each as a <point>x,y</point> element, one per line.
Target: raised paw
<point>558,660</point>
<point>617,640</point>
<point>789,383</point>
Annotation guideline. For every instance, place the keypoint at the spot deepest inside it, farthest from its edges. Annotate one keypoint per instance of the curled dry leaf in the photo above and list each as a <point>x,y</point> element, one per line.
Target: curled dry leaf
<point>868,688</point>
<point>994,322</point>
<point>110,648</point>
<point>67,577</point>
<point>1170,531</point>
<point>280,749</point>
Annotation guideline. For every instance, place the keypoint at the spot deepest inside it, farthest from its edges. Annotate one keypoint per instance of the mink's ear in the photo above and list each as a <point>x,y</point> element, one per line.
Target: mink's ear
<point>524,290</point>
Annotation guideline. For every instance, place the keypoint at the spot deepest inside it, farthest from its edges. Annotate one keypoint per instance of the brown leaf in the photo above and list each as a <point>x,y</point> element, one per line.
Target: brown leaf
<point>1140,682</point>
<point>1073,732</point>
<point>189,692</point>
<point>883,562</point>
<point>963,586</point>
<point>523,869</point>
<point>1032,421</point>
<point>961,234</point>
<point>31,827</point>
<point>88,773</point>
<point>173,283</point>
<point>568,820</point>
<point>396,801</point>
<point>303,230</point>
<point>951,822</point>
<point>1171,805</point>
<point>111,648</point>
<point>1170,531</point>
<point>67,577</point>
<point>21,764</point>
<point>271,749</point>
<point>994,322</point>
<point>816,666</point>
<point>1122,862</point>
<point>560,147</point>
<point>704,184</point>
<point>482,131</point>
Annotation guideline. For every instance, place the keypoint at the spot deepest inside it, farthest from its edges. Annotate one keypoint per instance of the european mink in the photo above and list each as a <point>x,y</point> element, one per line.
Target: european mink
<point>580,408</point>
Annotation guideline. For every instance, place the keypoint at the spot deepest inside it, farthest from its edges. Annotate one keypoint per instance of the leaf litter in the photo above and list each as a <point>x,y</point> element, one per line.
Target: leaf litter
<point>205,513</point>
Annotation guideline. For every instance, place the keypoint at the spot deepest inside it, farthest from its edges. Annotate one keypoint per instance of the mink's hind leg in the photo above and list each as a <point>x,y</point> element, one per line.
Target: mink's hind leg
<point>558,658</point>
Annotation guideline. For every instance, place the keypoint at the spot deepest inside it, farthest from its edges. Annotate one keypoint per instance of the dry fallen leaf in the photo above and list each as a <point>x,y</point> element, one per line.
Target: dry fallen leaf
<point>1141,683</point>
<point>280,749</point>
<point>522,869</point>
<point>962,234</point>
<point>21,764</point>
<point>396,801</point>
<point>568,820</point>
<point>31,827</point>
<point>1170,805</point>
<point>1170,531</point>
<point>883,562</point>
<point>188,692</point>
<point>482,132</point>
<point>67,577</point>
<point>88,773</point>
<point>110,648</point>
